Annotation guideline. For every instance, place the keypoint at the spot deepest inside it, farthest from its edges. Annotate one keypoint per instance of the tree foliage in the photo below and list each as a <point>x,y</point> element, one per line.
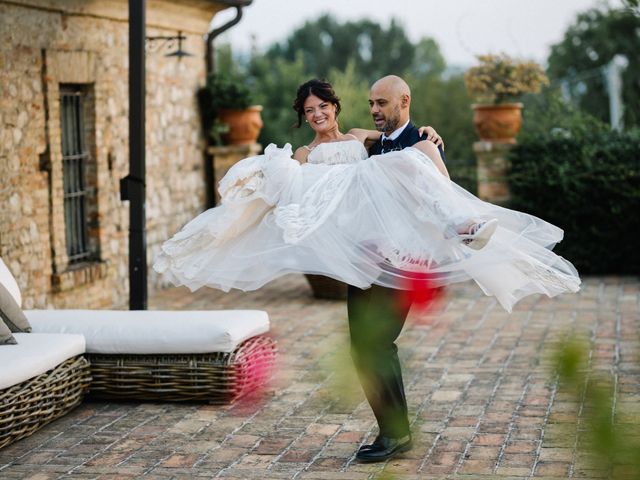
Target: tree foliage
<point>352,55</point>
<point>445,104</point>
<point>591,42</point>
<point>326,44</point>
<point>427,60</point>
<point>274,83</point>
<point>354,95</point>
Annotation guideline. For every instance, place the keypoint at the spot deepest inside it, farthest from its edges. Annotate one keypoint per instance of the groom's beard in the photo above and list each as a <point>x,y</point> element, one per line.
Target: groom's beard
<point>391,124</point>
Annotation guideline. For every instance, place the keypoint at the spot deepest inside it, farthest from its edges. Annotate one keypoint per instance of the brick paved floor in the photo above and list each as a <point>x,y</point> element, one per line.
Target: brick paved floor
<point>483,401</point>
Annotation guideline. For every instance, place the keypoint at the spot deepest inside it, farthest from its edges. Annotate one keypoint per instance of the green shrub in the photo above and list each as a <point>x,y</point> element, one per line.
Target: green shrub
<point>221,91</point>
<point>587,182</point>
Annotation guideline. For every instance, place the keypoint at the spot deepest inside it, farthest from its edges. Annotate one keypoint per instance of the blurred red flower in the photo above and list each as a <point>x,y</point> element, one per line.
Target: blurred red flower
<point>421,291</point>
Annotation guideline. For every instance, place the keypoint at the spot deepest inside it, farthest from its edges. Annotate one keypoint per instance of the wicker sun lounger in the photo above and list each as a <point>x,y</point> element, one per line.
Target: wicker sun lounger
<point>43,377</point>
<point>212,356</point>
<point>215,377</point>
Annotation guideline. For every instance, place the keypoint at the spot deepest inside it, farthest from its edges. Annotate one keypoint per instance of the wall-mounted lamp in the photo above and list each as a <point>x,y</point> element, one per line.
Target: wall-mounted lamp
<point>163,42</point>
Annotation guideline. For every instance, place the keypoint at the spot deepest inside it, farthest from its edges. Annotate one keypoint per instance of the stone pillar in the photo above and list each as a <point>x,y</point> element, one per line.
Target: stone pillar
<point>225,157</point>
<point>492,171</point>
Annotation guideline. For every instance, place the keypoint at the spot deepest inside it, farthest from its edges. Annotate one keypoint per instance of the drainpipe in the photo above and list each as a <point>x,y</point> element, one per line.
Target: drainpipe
<point>210,60</point>
<point>210,66</point>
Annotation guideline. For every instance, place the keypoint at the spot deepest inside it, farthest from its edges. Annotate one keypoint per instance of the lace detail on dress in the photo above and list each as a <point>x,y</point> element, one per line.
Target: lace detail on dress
<point>248,177</point>
<point>334,153</point>
<point>553,279</point>
<point>362,222</point>
<point>297,220</point>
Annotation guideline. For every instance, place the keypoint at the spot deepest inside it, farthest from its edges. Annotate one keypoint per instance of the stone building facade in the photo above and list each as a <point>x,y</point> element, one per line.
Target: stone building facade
<point>64,115</point>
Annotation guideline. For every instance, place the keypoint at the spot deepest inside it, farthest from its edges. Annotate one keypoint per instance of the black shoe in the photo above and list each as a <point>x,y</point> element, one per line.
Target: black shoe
<point>384,448</point>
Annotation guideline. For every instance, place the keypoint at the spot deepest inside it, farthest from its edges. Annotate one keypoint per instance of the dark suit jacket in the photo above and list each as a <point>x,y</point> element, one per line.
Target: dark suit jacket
<point>407,138</point>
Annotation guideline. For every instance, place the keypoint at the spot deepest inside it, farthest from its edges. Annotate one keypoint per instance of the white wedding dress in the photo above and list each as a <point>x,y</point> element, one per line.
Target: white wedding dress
<point>362,221</point>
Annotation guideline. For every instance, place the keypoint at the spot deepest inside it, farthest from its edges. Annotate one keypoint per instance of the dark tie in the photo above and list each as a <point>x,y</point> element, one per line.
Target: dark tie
<point>387,145</point>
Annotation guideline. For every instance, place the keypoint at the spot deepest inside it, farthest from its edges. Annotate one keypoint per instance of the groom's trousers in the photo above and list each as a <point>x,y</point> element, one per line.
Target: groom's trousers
<point>376,318</point>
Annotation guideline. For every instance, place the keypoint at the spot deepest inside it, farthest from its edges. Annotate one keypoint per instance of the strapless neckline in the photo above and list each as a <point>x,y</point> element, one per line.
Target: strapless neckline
<point>311,149</point>
<point>340,152</point>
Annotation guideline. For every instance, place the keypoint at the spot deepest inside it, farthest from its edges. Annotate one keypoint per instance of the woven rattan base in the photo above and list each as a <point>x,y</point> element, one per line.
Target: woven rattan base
<point>28,406</point>
<point>214,377</point>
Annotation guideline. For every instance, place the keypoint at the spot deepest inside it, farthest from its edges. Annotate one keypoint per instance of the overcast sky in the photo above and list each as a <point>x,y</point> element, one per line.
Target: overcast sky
<point>462,28</point>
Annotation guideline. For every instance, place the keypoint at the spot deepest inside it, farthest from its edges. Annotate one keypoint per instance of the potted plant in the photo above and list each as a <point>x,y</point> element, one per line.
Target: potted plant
<point>228,115</point>
<point>497,82</point>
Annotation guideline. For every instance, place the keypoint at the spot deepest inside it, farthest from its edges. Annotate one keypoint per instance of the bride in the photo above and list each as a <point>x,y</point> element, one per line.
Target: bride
<point>332,210</point>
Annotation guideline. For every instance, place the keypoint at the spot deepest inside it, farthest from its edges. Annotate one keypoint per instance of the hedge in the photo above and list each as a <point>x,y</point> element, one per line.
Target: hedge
<point>589,185</point>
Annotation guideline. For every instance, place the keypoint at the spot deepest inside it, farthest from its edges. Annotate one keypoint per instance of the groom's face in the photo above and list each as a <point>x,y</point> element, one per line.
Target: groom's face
<point>385,109</point>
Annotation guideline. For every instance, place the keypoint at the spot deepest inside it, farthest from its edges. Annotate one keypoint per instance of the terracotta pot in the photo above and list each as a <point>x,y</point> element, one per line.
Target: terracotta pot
<point>244,125</point>
<point>498,123</point>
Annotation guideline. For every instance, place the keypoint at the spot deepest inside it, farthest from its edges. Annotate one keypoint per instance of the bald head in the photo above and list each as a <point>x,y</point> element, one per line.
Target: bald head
<point>392,84</point>
<point>389,102</point>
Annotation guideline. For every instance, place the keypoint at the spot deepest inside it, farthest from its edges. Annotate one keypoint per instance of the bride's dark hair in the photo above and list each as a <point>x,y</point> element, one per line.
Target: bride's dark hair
<point>321,89</point>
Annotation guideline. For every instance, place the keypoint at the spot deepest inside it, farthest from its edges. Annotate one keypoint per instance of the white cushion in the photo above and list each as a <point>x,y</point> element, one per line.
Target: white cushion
<point>35,354</point>
<point>9,282</point>
<point>154,331</point>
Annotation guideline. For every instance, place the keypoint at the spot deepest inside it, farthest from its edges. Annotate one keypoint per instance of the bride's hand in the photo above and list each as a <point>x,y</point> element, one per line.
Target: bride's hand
<point>432,136</point>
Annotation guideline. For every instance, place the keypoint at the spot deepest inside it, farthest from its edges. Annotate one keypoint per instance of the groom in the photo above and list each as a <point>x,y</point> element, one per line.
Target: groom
<point>376,315</point>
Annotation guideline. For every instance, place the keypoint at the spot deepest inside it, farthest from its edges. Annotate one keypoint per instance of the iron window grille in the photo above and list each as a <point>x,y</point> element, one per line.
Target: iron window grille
<point>75,156</point>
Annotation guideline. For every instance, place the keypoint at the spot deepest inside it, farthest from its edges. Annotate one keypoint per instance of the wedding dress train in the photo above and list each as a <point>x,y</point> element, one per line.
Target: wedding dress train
<point>361,220</point>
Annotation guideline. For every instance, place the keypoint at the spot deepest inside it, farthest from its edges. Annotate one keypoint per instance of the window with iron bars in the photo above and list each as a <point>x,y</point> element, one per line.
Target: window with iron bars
<point>75,159</point>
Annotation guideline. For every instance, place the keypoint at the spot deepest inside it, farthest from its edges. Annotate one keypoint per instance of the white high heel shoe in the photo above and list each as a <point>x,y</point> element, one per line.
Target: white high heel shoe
<point>479,234</point>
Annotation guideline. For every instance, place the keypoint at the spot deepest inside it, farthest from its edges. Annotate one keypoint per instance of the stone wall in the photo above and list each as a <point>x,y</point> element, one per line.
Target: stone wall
<point>44,44</point>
